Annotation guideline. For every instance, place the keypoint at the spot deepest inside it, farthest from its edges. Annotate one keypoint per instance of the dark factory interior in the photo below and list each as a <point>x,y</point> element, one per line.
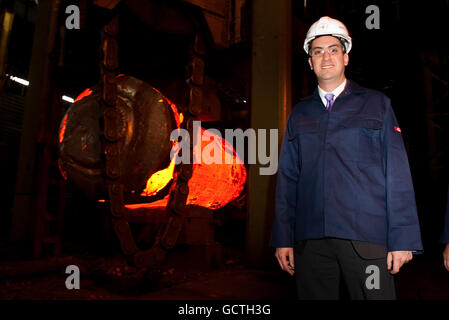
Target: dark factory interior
<point>126,74</point>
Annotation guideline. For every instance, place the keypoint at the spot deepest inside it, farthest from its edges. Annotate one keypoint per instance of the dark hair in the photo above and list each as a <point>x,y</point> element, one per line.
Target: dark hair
<point>343,43</point>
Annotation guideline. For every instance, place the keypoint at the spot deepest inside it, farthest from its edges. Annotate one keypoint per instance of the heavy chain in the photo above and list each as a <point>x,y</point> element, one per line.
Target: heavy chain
<point>176,208</point>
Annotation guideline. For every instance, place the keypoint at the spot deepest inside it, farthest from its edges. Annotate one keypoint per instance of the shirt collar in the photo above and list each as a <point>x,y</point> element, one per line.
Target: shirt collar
<point>337,91</point>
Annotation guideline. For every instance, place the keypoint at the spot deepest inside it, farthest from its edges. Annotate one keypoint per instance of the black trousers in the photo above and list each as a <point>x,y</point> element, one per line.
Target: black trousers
<point>321,263</point>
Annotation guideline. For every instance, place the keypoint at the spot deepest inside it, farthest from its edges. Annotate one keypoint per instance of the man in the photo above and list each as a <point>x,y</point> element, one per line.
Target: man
<point>445,236</point>
<point>345,203</point>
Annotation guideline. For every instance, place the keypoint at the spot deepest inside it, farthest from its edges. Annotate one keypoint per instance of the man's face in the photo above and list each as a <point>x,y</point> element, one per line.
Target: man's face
<point>328,67</point>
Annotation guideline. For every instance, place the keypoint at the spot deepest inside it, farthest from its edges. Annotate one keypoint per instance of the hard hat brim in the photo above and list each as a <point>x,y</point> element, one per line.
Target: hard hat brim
<point>346,40</point>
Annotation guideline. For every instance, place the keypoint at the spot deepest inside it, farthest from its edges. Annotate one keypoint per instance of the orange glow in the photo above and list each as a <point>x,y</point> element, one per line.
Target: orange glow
<point>214,185</point>
<point>62,129</point>
<point>83,94</point>
<point>159,180</point>
<point>102,200</point>
<point>159,204</point>
<point>179,117</point>
<point>211,185</point>
<point>61,170</point>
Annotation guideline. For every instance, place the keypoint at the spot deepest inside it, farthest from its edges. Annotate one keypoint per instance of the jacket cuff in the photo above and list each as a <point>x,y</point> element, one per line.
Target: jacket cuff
<point>406,238</point>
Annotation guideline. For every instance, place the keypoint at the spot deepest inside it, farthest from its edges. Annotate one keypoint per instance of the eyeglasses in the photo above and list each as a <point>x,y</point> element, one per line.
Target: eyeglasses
<point>333,50</point>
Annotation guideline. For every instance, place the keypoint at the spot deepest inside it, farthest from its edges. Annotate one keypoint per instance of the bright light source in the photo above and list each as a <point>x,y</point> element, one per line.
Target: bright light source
<point>19,80</point>
<point>68,99</point>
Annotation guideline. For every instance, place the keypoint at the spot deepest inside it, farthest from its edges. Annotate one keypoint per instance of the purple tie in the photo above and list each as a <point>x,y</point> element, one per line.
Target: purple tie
<point>330,100</point>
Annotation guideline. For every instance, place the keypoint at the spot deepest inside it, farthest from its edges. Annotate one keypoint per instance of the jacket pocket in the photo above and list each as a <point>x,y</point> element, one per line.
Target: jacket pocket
<point>373,124</point>
<point>365,136</point>
<point>309,140</point>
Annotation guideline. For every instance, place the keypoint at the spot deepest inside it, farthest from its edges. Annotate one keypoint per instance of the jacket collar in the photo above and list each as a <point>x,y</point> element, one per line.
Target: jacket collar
<point>351,87</point>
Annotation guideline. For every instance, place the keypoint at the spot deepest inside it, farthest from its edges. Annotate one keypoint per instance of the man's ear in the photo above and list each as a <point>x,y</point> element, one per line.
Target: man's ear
<point>346,59</point>
<point>310,64</point>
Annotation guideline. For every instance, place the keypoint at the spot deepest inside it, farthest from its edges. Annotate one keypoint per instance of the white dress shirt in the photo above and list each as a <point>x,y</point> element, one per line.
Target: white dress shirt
<point>336,92</point>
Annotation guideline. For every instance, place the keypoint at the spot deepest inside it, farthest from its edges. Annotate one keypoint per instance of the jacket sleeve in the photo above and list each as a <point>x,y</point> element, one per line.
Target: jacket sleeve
<point>403,224</point>
<point>445,234</point>
<point>282,235</point>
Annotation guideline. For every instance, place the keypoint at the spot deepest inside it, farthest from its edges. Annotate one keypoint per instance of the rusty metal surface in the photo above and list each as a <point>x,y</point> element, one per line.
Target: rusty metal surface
<point>143,137</point>
<point>204,103</point>
<point>122,131</point>
<point>118,136</point>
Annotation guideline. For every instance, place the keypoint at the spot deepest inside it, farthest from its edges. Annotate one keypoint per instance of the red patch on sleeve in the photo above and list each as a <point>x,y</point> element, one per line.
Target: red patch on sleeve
<point>398,129</point>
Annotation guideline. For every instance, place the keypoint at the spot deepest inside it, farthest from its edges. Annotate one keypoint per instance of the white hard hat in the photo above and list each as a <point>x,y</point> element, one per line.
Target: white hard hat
<point>328,26</point>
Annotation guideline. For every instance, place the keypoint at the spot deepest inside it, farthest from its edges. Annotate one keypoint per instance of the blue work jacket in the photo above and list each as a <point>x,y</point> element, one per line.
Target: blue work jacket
<point>345,174</point>
<point>445,234</point>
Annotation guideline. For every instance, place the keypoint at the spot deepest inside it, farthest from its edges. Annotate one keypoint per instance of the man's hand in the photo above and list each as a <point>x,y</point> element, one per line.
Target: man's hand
<point>446,257</point>
<point>396,259</point>
<point>286,259</point>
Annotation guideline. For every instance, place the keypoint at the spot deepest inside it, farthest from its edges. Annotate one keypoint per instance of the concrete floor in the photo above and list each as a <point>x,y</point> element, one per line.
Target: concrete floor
<point>177,279</point>
<point>44,279</point>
